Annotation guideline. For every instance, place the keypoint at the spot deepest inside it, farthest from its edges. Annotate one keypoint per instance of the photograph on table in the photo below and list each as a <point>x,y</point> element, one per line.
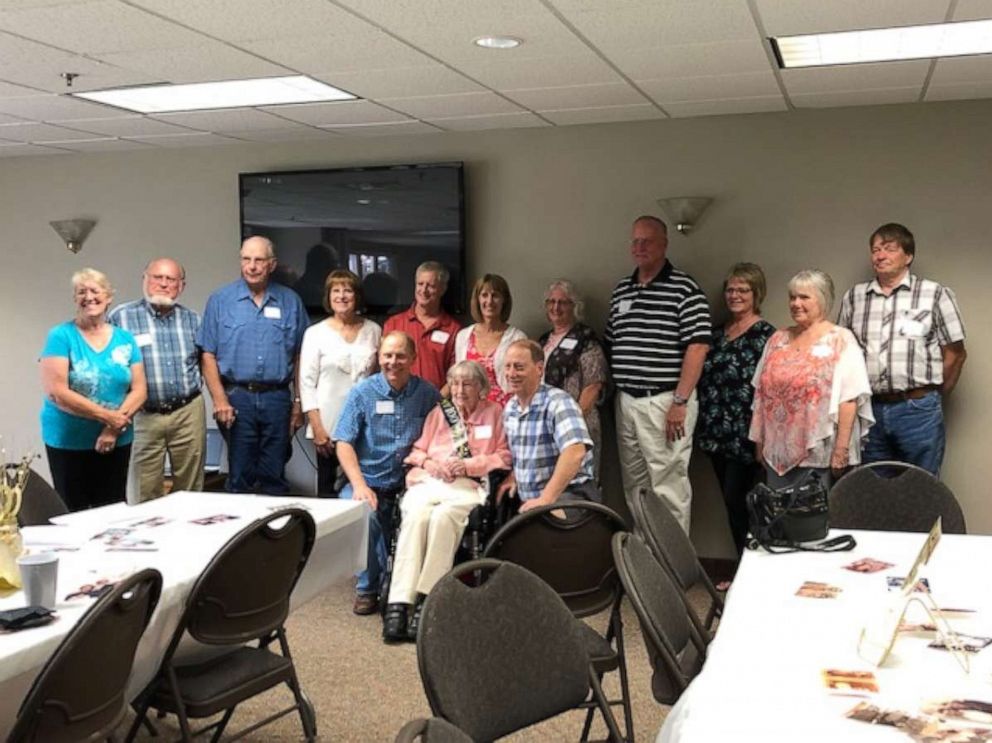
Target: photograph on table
<point>972,710</point>
<point>895,583</point>
<point>922,729</point>
<point>868,565</point>
<point>217,518</point>
<point>815,590</point>
<point>150,523</point>
<point>967,643</point>
<point>848,681</point>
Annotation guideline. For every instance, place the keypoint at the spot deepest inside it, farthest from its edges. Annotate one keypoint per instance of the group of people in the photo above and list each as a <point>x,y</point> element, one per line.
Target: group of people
<point>429,408</point>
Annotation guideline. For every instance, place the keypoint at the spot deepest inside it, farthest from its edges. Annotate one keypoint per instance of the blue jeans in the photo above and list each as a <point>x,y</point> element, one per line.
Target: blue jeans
<point>909,431</point>
<point>258,441</point>
<point>380,533</point>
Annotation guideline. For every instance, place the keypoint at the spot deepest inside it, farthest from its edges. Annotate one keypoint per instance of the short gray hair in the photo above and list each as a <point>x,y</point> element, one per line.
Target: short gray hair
<point>269,245</point>
<point>438,269</point>
<point>821,284</point>
<point>92,275</point>
<point>569,288</point>
<point>470,370</point>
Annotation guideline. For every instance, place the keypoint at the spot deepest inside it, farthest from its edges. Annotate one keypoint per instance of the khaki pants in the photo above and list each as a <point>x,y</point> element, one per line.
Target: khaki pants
<point>183,434</point>
<point>434,518</point>
<point>647,459</point>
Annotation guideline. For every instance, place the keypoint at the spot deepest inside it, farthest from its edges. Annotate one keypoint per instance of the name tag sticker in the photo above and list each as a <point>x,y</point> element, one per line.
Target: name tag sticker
<point>385,407</point>
<point>569,343</point>
<point>910,328</point>
<point>439,336</point>
<point>273,313</point>
<point>482,433</point>
<point>821,351</point>
<point>626,304</point>
<point>143,339</point>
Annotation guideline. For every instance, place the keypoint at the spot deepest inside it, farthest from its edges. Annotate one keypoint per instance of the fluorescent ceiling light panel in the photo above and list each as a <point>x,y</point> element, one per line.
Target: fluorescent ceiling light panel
<point>268,91</point>
<point>885,44</point>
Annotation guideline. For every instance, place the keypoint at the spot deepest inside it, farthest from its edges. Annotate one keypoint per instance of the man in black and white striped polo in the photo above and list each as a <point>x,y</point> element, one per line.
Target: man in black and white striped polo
<point>657,336</point>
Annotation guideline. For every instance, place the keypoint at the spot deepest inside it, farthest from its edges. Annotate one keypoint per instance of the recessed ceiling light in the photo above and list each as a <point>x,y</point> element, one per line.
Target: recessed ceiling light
<point>885,44</point>
<point>268,91</point>
<point>498,42</point>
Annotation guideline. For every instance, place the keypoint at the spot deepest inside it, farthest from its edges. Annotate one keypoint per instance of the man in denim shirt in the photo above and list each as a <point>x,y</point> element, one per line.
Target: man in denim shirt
<point>251,336</point>
<point>381,419</point>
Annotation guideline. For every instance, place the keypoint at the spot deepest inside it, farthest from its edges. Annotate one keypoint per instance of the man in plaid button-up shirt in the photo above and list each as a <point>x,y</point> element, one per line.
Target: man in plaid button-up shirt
<point>911,332</point>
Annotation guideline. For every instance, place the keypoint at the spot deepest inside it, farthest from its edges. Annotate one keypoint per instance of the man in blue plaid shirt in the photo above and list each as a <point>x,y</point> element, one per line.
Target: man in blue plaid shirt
<point>551,447</point>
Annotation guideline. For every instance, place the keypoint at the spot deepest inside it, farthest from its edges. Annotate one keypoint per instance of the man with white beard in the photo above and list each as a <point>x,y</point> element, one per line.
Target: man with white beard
<point>173,419</point>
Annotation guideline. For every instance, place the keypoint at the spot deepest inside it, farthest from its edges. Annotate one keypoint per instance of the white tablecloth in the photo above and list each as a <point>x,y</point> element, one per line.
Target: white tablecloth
<point>180,551</point>
<point>762,678</point>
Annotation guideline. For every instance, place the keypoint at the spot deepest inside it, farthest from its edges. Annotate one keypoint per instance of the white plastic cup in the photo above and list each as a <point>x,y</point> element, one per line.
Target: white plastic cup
<point>39,576</point>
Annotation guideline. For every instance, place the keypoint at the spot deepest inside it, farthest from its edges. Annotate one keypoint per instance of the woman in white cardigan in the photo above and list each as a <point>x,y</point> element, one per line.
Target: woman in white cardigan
<point>336,354</point>
<point>487,340</point>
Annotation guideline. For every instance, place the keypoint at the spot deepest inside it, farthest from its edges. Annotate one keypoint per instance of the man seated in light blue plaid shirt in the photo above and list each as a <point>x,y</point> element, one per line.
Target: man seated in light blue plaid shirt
<point>551,447</point>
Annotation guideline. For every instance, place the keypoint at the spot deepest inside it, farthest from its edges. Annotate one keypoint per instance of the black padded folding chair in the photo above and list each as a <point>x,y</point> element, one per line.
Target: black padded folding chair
<point>573,556</point>
<point>506,654</point>
<point>672,547</point>
<point>433,730</point>
<point>80,693</point>
<point>39,502</point>
<point>894,496</point>
<point>675,647</point>
<point>242,596</point>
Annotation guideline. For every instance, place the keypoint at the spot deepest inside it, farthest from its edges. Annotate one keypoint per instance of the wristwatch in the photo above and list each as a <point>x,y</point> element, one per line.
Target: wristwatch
<point>677,399</point>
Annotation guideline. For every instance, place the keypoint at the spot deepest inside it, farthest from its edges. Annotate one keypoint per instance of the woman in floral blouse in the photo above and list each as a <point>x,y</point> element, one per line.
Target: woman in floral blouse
<point>725,393</point>
<point>812,400</point>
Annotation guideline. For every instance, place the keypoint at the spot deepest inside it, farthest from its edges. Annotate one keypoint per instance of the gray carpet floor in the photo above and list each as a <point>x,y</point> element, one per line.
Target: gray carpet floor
<point>364,690</point>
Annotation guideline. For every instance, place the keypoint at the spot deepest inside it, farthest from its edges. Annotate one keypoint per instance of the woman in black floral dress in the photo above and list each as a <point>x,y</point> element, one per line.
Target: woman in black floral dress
<point>725,393</point>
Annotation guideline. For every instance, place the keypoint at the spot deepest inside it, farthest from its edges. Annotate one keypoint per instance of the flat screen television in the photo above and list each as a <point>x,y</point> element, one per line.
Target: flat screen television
<point>380,222</point>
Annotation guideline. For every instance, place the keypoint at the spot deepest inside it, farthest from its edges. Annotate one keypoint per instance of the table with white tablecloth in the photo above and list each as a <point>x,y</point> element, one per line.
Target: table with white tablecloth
<point>762,680</point>
<point>170,540</point>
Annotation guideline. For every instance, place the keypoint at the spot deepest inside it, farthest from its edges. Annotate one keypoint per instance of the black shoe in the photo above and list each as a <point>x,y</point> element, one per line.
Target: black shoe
<point>394,623</point>
<point>414,623</point>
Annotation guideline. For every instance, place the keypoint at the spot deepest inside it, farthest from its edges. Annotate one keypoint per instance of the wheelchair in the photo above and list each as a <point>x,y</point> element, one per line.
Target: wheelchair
<point>483,521</point>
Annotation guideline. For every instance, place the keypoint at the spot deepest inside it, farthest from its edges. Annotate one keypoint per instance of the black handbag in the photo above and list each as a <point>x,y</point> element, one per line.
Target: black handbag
<point>793,519</point>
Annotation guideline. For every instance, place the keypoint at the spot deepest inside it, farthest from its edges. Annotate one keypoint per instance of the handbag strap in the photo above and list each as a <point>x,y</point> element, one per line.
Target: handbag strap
<point>840,543</point>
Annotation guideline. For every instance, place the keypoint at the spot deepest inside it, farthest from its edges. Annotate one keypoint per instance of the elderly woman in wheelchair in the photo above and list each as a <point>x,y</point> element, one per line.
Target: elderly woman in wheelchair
<point>462,442</point>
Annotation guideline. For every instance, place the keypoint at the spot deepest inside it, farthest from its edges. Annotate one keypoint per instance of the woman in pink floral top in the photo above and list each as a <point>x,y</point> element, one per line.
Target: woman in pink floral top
<point>812,399</point>
<point>462,442</point>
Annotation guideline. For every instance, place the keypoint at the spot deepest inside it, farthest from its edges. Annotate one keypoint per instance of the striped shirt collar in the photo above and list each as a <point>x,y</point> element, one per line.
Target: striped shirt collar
<point>663,275</point>
<point>908,280</point>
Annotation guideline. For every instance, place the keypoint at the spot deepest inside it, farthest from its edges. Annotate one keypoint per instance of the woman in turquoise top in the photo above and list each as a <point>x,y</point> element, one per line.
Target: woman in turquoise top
<point>94,384</point>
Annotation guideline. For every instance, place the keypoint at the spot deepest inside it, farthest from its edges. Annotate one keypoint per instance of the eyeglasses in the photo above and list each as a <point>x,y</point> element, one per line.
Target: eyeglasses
<point>737,290</point>
<point>172,280</point>
<point>558,302</point>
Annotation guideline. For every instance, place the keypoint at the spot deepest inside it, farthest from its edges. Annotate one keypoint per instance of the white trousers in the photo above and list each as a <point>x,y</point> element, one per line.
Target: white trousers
<point>434,518</point>
<point>647,459</point>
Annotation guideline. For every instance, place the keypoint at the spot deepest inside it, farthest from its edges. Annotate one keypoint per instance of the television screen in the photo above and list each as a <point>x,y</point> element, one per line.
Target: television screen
<point>379,222</point>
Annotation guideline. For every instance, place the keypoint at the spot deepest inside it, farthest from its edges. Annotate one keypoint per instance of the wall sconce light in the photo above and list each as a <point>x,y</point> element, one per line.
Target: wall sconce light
<point>685,211</point>
<point>74,232</point>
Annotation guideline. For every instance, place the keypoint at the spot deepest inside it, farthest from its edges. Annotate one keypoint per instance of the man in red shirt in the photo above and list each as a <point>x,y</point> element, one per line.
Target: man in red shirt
<point>432,329</point>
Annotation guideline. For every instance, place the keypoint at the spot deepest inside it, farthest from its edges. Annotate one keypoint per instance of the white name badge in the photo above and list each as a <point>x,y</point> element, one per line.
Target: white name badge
<point>143,339</point>
<point>273,313</point>
<point>482,433</point>
<point>385,407</point>
<point>626,304</point>
<point>439,336</point>
<point>569,343</point>
<point>821,352</point>
<point>910,328</point>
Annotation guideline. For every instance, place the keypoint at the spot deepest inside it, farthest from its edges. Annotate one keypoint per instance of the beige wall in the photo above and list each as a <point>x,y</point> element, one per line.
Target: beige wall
<point>791,191</point>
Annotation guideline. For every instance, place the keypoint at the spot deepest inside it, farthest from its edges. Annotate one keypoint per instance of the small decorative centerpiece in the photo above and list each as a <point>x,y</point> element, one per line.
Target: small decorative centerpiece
<point>13,477</point>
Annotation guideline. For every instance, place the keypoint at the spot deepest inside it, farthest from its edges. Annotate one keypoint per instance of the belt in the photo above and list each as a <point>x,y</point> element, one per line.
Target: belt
<point>648,392</point>
<point>914,394</point>
<point>171,405</point>
<point>257,386</point>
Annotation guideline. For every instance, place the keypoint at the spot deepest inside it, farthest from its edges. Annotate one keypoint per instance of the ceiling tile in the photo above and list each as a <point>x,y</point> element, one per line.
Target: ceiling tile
<point>959,91</point>
<point>101,26</point>
<point>963,70</point>
<point>343,112</point>
<point>790,17</point>
<point>687,60</point>
<point>390,128</point>
<point>297,134</point>
<point>583,68</point>
<point>973,10</point>
<point>604,115</point>
<point>9,90</point>
<point>450,106</point>
<point>331,52</point>
<point>22,150</point>
<point>711,87</point>
<point>5,119</point>
<point>201,63</point>
<point>40,132</point>
<point>230,119</point>
<point>760,104</point>
<point>575,96</point>
<point>56,108</point>
<point>857,97</point>
<point>856,77</point>
<point>193,139</point>
<point>105,144</point>
<point>127,126</point>
<point>492,121</point>
<point>433,79</point>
